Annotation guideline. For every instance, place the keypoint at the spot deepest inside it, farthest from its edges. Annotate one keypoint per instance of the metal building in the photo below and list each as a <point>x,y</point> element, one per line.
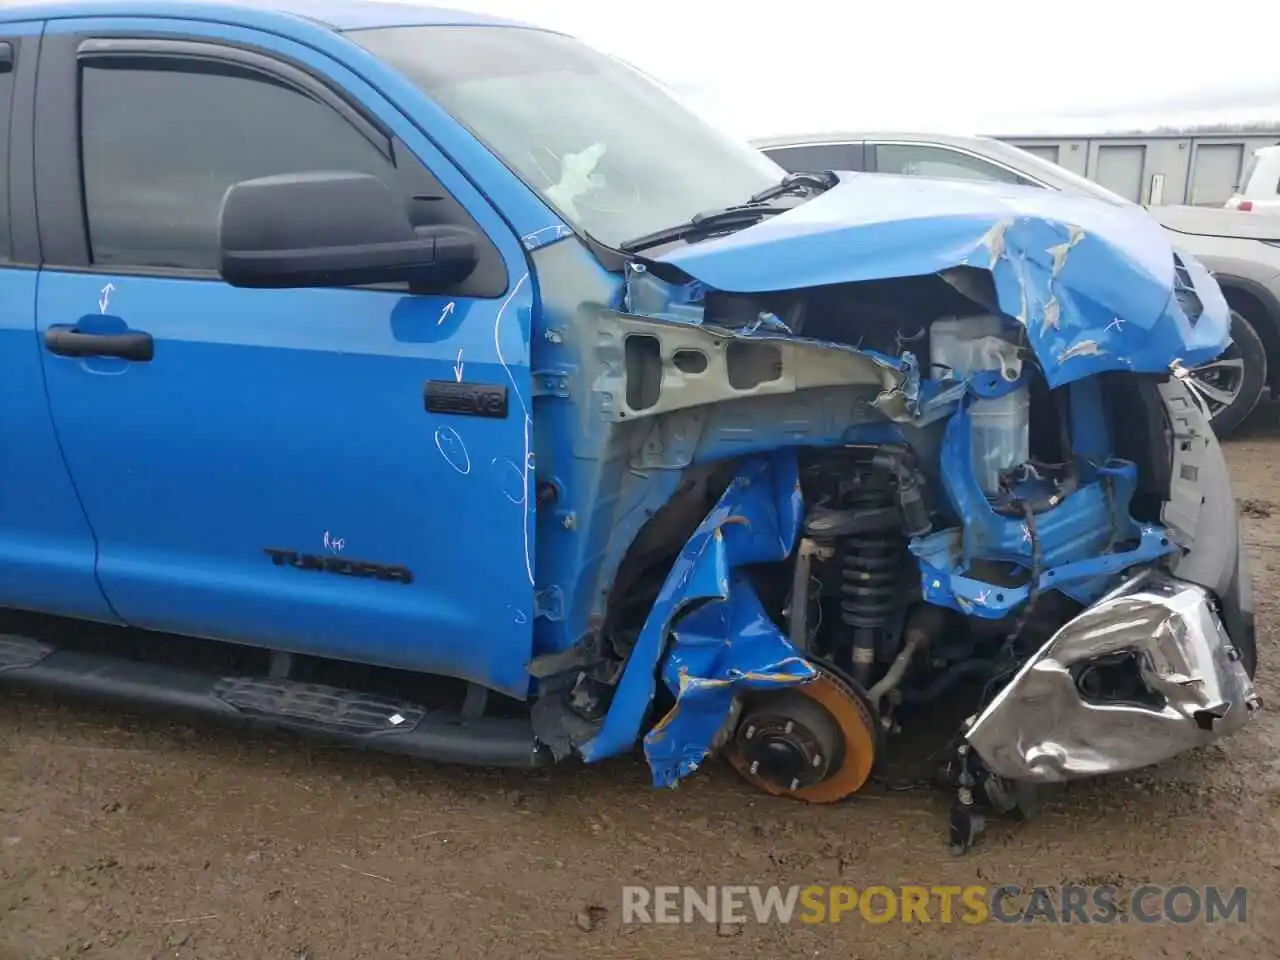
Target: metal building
<point>1201,169</point>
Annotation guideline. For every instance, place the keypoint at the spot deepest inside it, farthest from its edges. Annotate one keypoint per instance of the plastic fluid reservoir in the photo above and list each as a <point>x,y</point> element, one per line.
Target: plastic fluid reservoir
<point>1000,435</point>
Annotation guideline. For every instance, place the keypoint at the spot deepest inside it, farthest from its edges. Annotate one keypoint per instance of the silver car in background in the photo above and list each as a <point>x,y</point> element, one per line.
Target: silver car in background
<point>1242,251</point>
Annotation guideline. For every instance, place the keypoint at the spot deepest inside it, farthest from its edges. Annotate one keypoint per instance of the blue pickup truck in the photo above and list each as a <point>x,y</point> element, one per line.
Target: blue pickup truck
<point>438,384</point>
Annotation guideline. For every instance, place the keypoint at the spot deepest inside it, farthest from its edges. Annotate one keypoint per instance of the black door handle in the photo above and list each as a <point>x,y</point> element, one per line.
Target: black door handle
<point>69,342</point>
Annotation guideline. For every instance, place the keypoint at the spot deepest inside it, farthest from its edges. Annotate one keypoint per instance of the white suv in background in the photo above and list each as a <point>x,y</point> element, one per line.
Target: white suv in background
<point>1242,251</point>
<point>1259,189</point>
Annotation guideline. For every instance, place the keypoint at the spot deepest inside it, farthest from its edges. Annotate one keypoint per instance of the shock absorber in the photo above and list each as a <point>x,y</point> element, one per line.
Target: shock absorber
<point>870,572</point>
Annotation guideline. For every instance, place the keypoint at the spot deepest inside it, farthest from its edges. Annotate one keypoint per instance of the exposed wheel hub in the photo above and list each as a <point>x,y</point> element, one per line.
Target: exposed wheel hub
<point>789,741</point>
<point>814,742</point>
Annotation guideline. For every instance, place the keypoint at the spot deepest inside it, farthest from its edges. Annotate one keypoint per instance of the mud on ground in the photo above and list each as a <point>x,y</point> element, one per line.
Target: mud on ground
<point>131,838</point>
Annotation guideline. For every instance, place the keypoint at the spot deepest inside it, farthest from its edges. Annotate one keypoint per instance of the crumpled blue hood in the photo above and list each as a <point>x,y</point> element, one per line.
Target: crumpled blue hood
<point>1094,283</point>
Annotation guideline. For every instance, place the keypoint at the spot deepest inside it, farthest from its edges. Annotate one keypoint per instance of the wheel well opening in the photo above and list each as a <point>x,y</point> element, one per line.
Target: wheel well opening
<point>651,555</point>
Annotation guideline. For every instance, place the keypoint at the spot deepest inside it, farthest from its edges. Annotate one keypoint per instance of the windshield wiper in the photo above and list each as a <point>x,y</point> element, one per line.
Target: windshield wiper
<point>797,183</point>
<point>743,215</point>
<point>753,211</point>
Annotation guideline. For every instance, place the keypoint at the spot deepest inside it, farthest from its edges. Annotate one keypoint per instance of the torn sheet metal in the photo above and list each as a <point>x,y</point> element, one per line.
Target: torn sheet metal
<point>708,623</point>
<point>1186,687</point>
<point>1093,284</point>
<point>723,648</point>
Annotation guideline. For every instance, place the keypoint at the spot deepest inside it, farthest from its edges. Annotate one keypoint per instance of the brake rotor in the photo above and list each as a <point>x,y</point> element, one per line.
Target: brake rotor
<point>814,742</point>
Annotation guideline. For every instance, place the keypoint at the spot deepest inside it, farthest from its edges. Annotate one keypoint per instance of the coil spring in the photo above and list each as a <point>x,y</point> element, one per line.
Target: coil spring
<point>870,565</point>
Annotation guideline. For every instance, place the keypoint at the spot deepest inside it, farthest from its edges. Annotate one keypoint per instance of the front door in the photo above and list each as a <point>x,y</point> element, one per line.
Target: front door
<point>266,465</point>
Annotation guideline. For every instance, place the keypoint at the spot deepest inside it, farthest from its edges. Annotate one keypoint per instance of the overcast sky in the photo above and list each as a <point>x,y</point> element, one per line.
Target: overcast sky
<point>766,66</point>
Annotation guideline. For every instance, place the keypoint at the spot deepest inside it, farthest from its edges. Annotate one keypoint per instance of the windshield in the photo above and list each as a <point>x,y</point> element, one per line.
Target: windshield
<point>607,147</point>
<point>1035,166</point>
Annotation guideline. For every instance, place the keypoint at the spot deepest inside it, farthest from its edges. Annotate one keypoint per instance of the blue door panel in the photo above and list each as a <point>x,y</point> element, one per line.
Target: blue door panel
<point>46,546</point>
<point>295,420</point>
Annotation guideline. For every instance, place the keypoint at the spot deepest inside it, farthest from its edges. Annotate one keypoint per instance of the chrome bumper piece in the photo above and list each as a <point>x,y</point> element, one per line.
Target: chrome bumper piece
<point>1188,688</point>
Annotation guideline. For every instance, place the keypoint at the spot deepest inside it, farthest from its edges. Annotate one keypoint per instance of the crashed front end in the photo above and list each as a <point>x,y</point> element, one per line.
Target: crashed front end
<point>873,462</point>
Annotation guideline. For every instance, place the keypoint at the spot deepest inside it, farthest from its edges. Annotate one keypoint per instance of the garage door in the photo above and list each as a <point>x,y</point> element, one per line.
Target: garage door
<point>1215,170</point>
<point>1120,170</point>
<point>1045,151</point>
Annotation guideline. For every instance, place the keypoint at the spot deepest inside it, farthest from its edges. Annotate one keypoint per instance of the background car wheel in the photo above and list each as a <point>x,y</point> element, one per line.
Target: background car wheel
<point>1233,384</point>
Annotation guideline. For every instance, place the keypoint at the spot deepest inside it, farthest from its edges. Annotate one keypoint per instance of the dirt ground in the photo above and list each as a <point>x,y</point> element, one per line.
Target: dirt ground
<point>135,838</point>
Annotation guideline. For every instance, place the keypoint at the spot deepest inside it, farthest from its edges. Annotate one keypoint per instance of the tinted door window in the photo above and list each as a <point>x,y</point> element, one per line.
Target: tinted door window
<point>162,144</point>
<point>919,160</point>
<point>816,157</point>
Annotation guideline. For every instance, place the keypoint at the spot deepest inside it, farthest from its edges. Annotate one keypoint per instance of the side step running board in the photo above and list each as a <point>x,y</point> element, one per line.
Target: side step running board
<point>346,716</point>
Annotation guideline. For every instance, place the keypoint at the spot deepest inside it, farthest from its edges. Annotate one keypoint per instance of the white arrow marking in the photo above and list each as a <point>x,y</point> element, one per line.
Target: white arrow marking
<point>457,367</point>
<point>105,299</point>
<point>448,309</point>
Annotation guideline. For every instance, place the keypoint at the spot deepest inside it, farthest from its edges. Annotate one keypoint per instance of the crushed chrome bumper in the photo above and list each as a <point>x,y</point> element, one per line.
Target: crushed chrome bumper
<point>1190,688</point>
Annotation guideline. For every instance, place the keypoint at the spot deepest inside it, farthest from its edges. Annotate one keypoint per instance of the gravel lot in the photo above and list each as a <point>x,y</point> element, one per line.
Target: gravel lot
<point>134,838</point>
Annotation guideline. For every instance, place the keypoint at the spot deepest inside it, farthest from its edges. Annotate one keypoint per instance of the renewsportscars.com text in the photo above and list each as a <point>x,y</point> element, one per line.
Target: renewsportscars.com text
<point>1006,903</point>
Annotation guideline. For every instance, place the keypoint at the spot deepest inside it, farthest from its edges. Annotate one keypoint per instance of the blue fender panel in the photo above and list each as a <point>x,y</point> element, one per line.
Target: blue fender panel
<point>720,639</point>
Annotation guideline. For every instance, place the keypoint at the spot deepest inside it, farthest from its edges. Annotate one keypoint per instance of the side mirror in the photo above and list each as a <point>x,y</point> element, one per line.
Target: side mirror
<point>333,230</point>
